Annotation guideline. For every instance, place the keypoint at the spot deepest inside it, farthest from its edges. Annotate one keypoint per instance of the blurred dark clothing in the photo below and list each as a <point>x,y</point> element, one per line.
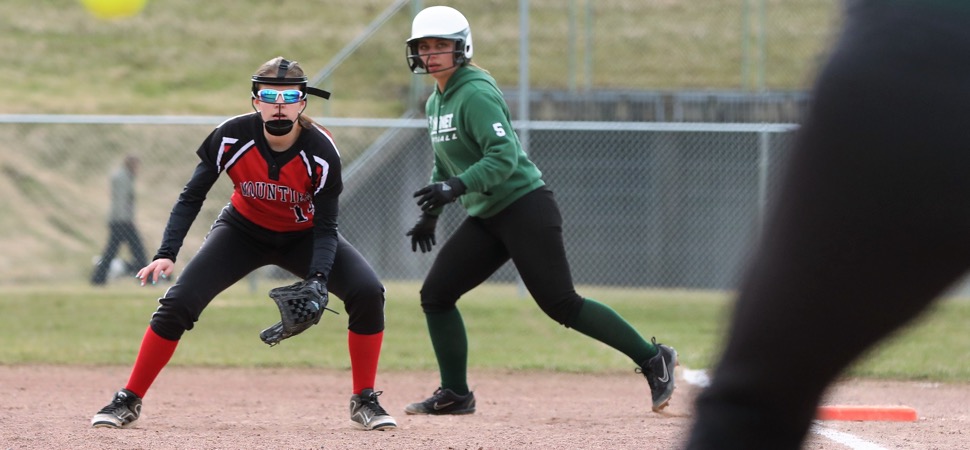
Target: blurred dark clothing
<point>121,225</point>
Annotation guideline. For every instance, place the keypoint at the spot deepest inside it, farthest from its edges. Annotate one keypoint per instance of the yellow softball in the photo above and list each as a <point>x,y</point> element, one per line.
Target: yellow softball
<point>113,9</point>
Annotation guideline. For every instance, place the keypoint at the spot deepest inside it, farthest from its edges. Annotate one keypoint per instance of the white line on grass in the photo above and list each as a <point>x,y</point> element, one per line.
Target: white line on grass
<point>701,379</point>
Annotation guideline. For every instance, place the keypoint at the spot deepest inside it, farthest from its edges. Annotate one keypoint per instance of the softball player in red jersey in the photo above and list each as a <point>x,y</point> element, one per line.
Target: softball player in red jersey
<point>285,170</point>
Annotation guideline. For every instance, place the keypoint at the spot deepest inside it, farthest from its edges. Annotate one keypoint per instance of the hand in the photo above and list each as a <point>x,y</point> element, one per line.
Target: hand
<point>422,233</point>
<point>158,269</point>
<point>439,194</point>
<point>316,283</point>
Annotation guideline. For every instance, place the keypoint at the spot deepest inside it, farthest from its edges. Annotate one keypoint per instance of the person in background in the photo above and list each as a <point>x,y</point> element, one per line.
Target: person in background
<point>479,162</point>
<point>121,224</point>
<point>286,175</point>
<point>872,222</point>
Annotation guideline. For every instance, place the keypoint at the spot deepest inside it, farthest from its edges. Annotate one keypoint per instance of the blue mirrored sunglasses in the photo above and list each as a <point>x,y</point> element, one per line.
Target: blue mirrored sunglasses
<point>287,96</point>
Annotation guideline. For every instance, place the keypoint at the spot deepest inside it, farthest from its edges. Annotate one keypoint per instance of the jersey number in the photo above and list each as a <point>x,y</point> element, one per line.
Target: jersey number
<point>298,212</point>
<point>499,131</point>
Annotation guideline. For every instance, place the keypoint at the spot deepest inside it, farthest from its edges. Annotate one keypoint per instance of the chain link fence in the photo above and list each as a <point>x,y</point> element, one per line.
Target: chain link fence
<point>644,204</point>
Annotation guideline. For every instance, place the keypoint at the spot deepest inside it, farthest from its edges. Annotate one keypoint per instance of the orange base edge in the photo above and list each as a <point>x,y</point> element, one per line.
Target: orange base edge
<point>866,413</point>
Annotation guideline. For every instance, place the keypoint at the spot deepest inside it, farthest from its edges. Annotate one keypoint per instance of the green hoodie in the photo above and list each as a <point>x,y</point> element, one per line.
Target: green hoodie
<point>472,137</point>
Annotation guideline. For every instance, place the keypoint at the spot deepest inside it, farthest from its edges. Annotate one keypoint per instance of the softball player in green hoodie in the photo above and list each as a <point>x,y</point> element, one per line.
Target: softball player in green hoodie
<point>479,163</point>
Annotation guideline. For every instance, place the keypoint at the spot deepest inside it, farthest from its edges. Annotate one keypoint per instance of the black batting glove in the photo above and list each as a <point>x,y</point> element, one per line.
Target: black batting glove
<point>422,233</point>
<point>439,194</point>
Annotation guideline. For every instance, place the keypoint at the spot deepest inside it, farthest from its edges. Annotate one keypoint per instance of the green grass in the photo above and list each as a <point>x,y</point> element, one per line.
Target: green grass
<point>80,325</point>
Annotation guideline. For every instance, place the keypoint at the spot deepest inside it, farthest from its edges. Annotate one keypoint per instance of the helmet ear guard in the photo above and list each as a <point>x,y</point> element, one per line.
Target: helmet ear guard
<point>282,80</point>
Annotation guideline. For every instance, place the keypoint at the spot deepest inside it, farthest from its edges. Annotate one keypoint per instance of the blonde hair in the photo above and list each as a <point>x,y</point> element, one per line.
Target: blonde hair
<point>472,63</point>
<point>271,67</point>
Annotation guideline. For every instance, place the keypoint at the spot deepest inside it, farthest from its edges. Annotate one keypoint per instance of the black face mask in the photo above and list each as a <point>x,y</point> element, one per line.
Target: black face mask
<point>279,127</point>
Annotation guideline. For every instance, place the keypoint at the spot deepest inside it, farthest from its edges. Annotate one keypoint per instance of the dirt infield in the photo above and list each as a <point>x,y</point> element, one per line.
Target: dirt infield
<point>45,407</point>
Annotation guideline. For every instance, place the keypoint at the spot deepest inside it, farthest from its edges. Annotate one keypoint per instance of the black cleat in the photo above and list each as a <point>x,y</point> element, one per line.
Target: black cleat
<point>367,414</point>
<point>444,401</point>
<point>122,412</point>
<point>659,372</point>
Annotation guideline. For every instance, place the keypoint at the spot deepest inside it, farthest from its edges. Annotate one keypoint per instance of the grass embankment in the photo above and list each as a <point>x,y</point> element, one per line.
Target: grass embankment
<point>194,58</point>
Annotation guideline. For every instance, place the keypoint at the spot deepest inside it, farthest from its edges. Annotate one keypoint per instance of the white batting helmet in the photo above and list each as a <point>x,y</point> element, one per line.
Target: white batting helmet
<point>440,22</point>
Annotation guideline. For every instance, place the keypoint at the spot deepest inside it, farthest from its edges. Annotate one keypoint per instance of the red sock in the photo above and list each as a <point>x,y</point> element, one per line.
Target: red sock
<point>365,351</point>
<point>154,354</point>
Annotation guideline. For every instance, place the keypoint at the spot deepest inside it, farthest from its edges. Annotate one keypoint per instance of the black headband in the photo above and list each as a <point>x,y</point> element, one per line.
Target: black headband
<point>284,67</point>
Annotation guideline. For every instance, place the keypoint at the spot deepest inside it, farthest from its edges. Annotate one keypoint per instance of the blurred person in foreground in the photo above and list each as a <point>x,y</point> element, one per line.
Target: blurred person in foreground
<point>286,176</point>
<point>872,223</point>
<point>512,215</point>
<point>121,224</point>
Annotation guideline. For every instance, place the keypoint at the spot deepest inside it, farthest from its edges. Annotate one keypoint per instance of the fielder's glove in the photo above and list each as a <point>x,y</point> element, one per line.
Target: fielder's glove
<point>422,233</point>
<point>301,305</point>
<point>436,195</point>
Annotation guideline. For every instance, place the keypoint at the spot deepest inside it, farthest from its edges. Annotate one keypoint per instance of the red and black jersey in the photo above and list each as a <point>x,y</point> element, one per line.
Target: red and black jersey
<point>280,192</point>
<point>274,190</point>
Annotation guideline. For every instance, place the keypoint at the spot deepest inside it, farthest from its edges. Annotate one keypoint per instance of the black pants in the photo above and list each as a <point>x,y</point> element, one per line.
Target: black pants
<point>872,224</point>
<point>529,232</point>
<point>119,233</point>
<point>232,250</point>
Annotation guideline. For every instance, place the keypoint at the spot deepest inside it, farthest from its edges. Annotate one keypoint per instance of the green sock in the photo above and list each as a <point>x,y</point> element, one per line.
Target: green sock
<point>602,323</point>
<point>450,343</point>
